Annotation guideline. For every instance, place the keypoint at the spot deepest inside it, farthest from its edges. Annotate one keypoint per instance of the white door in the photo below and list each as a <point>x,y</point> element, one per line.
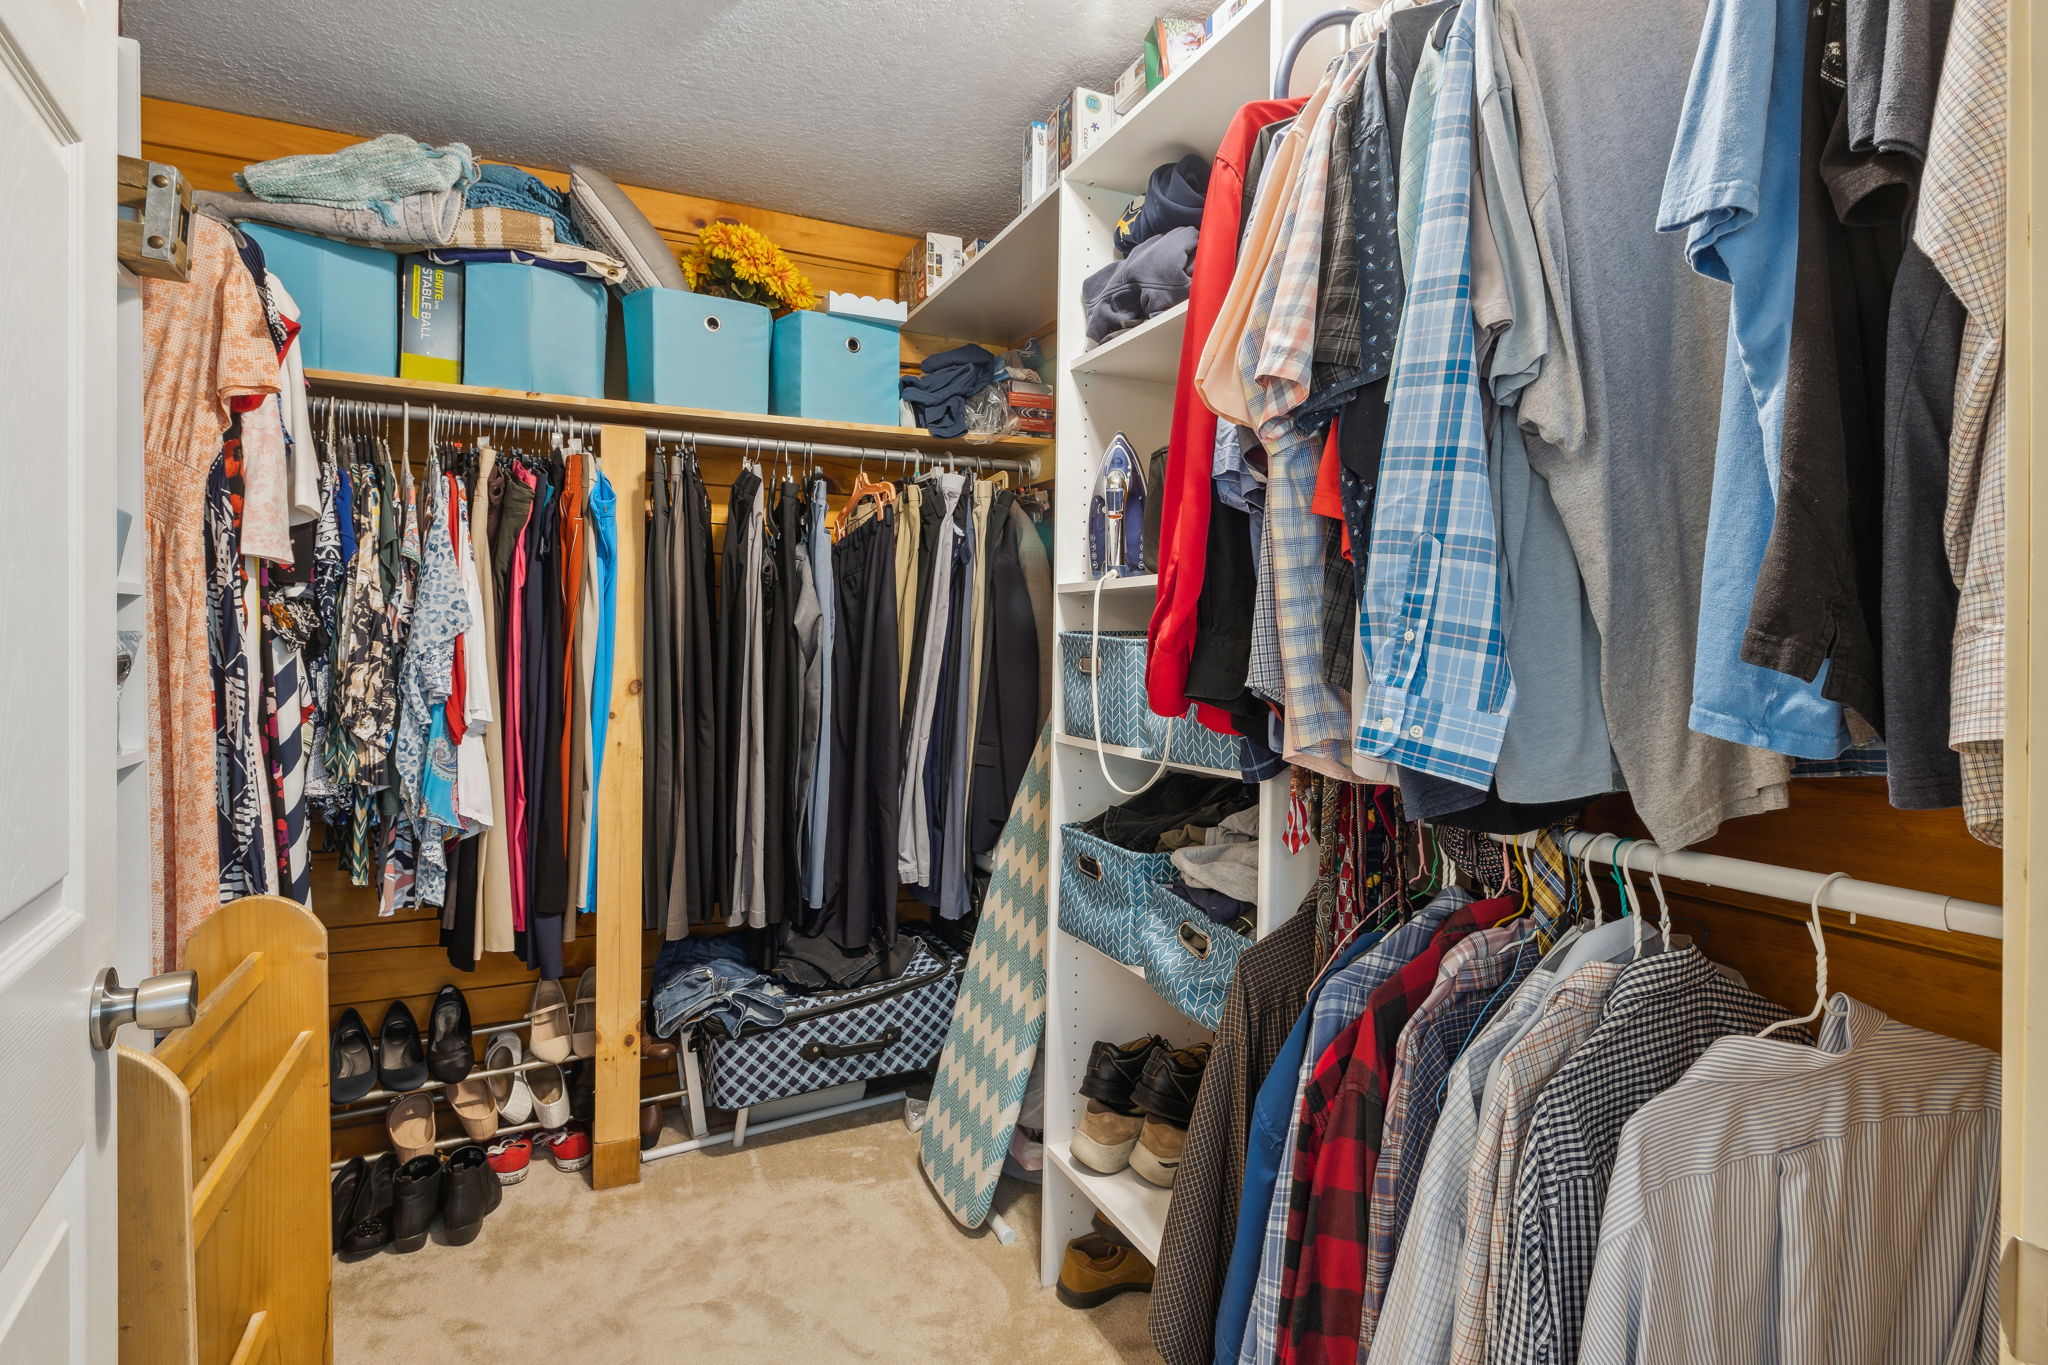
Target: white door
<point>58,97</point>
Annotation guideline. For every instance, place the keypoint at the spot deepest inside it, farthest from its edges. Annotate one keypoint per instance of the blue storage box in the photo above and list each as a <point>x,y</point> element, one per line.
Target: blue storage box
<point>835,369</point>
<point>528,327</point>
<point>347,296</point>
<point>695,351</point>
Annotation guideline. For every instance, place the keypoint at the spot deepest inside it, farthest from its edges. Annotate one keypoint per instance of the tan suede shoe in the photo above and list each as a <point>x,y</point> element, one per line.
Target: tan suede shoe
<point>1096,1270</point>
<point>1157,1155</point>
<point>1105,1138</point>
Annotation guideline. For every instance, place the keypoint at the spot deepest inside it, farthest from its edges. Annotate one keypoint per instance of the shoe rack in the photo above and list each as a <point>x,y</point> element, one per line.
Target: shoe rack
<point>1126,385</point>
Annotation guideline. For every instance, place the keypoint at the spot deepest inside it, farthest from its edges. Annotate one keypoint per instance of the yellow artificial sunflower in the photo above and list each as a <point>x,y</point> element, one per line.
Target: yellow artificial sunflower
<point>733,260</point>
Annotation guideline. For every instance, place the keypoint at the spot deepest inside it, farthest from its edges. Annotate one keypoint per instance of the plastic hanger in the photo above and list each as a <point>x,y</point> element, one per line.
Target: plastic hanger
<point>1820,959</point>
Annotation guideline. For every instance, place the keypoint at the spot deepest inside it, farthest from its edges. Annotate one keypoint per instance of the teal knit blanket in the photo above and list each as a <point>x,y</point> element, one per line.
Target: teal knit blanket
<point>370,175</point>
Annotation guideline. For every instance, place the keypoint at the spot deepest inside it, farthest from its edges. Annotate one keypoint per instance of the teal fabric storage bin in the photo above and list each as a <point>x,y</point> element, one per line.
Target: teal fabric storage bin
<point>835,369</point>
<point>347,296</point>
<point>528,327</point>
<point>695,351</point>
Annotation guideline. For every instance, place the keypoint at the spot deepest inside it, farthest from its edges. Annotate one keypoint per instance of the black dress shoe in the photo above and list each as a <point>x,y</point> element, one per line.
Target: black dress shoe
<point>451,1052</point>
<point>351,1071</point>
<point>1166,1090</point>
<point>582,1090</point>
<point>369,1227</point>
<point>348,1181</point>
<point>416,1198</point>
<point>1113,1071</point>
<point>401,1061</point>
<point>467,1187</point>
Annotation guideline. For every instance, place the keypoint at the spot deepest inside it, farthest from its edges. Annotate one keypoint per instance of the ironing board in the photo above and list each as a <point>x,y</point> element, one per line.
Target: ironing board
<point>1001,1010</point>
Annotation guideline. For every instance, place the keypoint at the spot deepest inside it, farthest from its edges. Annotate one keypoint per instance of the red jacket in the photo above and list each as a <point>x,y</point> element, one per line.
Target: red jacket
<point>1190,449</point>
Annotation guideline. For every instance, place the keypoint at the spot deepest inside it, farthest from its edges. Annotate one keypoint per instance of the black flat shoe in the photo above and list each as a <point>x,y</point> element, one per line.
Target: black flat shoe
<point>351,1071</point>
<point>416,1199</point>
<point>451,1052</point>
<point>467,1187</point>
<point>369,1229</point>
<point>582,1090</point>
<point>348,1181</point>
<point>1113,1071</point>
<point>1167,1089</point>
<point>401,1061</point>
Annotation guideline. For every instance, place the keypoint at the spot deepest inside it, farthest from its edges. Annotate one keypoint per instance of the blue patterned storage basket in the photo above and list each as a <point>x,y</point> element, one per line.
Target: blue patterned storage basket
<point>1128,719</point>
<point>1188,958</point>
<point>1104,891</point>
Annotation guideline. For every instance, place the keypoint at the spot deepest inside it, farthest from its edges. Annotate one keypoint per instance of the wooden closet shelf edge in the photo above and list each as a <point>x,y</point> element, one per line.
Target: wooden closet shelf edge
<point>518,402</point>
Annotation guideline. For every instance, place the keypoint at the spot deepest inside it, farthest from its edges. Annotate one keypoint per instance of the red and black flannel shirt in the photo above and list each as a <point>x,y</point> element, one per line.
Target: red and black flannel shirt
<point>1322,1285</point>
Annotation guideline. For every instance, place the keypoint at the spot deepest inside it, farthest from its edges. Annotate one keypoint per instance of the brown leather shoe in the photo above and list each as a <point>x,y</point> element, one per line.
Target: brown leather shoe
<point>650,1125</point>
<point>1096,1270</point>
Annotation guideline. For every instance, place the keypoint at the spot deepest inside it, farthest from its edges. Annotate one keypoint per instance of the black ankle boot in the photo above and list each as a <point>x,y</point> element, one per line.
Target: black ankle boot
<point>417,1195</point>
<point>466,1188</point>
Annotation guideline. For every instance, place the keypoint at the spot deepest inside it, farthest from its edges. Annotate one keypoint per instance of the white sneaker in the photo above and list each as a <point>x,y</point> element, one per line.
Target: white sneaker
<point>550,1096</point>
<point>514,1098</point>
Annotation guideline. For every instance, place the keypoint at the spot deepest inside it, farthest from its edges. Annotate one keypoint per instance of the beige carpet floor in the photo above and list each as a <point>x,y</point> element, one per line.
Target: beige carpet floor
<point>816,1244</point>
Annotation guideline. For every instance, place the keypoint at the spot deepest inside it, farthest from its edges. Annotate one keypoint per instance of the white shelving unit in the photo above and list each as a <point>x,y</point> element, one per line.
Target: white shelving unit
<point>1126,385</point>
<point>1006,292</point>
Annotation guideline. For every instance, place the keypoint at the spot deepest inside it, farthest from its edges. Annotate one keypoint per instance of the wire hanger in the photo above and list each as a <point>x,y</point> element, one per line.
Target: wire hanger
<point>1820,960</point>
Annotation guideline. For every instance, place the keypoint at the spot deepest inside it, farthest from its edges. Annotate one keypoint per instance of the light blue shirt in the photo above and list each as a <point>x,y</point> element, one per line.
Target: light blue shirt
<point>1733,188</point>
<point>601,523</point>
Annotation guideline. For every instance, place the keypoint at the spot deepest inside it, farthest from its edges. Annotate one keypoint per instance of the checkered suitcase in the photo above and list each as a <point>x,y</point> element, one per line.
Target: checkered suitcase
<point>884,1029</point>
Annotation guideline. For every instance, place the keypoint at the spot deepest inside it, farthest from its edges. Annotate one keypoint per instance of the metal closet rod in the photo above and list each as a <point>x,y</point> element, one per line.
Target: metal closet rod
<point>371,409</point>
<point>807,449</point>
<point>1875,899</point>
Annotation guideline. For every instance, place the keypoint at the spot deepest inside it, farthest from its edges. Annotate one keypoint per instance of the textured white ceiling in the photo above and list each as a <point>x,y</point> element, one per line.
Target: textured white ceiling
<point>904,115</point>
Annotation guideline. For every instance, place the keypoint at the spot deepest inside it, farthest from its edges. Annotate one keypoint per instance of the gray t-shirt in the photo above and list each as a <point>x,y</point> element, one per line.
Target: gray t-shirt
<point>1622,428</point>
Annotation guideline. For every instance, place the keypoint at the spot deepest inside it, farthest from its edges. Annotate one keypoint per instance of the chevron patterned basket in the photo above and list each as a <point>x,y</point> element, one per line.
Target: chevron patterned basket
<point>1115,660</point>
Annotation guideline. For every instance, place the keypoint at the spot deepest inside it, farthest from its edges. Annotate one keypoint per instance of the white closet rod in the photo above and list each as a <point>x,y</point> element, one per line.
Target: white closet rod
<point>805,449</point>
<point>1876,899</point>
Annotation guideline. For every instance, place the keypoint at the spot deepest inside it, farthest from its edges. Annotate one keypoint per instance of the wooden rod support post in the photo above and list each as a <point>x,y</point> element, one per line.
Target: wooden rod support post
<point>616,1162</point>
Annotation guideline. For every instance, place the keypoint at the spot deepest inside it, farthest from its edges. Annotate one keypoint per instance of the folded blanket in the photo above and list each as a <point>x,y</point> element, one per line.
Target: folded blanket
<point>427,219</point>
<point>499,186</point>
<point>502,230</point>
<point>570,260</point>
<point>370,175</point>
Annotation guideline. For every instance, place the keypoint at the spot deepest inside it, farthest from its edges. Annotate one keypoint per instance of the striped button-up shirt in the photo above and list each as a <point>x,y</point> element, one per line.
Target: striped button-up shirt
<point>1479,973</point>
<point>1961,227</point>
<point>1525,1067</point>
<point>1438,692</point>
<point>1415,1319</point>
<point>1786,1202</point>
<point>1338,1001</point>
<point>1661,1016</point>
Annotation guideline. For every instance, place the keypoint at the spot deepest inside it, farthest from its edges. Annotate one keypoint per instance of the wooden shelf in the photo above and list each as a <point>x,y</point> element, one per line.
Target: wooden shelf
<point>1151,350</point>
<point>1007,292</point>
<point>1189,110</point>
<point>518,402</point>
<point>1137,1207</point>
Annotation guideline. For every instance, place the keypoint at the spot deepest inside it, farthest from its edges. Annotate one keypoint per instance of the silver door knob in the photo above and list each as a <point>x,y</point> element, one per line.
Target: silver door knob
<point>158,1002</point>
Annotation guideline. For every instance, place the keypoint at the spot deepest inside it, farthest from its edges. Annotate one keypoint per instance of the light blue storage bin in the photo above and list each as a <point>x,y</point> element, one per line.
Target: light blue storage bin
<point>695,351</point>
<point>835,369</point>
<point>347,297</point>
<point>528,327</point>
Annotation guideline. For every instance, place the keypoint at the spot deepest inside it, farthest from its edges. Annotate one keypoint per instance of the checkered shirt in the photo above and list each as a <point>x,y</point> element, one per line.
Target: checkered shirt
<point>1338,1001</point>
<point>1439,692</point>
<point>1323,1283</point>
<point>1663,1012</point>
<point>1477,976</point>
<point>1415,1318</point>
<point>1568,1015</point>
<point>1961,227</point>
<point>1275,360</point>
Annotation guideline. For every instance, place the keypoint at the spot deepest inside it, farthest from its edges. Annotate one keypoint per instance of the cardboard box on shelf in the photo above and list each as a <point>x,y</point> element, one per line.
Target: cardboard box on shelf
<point>1038,163</point>
<point>1130,86</point>
<point>930,264</point>
<point>1086,116</point>
<point>430,321</point>
<point>1225,14</point>
<point>1169,43</point>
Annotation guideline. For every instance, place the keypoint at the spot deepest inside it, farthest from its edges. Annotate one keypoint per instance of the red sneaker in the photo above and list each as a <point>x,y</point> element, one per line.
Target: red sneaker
<point>570,1151</point>
<point>510,1157</point>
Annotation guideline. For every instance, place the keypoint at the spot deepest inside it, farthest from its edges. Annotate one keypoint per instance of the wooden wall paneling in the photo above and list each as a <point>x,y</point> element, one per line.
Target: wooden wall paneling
<point>621,957</point>
<point>210,145</point>
<point>158,1303</point>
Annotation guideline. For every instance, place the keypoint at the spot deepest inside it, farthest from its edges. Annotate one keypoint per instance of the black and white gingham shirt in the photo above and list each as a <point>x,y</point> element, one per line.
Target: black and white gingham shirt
<point>1662,1014</point>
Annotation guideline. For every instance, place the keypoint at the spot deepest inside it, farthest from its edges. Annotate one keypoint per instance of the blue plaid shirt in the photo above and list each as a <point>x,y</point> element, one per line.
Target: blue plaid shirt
<point>1439,691</point>
<point>1339,1001</point>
